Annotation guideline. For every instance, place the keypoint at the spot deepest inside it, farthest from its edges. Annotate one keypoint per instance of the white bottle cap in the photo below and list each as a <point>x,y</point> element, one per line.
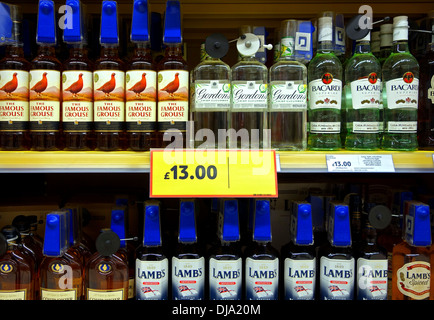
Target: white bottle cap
<point>386,31</point>
<point>400,21</point>
<point>386,28</point>
<point>400,28</point>
<point>325,29</point>
<point>375,44</point>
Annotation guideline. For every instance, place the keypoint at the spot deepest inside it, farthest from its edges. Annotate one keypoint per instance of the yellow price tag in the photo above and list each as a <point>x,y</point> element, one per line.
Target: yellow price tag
<point>213,173</point>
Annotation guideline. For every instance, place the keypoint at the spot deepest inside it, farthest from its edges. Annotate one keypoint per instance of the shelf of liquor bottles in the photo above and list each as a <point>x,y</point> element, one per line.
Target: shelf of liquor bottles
<point>139,162</point>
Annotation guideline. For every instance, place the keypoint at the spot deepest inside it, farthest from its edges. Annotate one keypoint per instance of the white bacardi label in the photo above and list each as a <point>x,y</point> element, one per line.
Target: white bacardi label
<point>214,94</point>
<point>401,126</point>
<point>152,280</point>
<point>188,279</point>
<point>141,100</point>
<point>225,279</point>
<point>249,95</point>
<point>325,127</point>
<point>115,294</point>
<point>366,93</point>
<point>288,95</point>
<point>14,100</point>
<point>325,92</point>
<point>44,105</point>
<point>299,279</point>
<point>402,92</point>
<point>51,294</point>
<point>336,279</point>
<point>262,279</point>
<point>372,279</point>
<point>413,279</point>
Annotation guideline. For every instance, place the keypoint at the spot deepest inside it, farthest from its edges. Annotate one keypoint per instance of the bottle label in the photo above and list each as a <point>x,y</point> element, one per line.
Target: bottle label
<point>44,114</point>
<point>14,100</point>
<point>51,294</point>
<point>188,279</point>
<point>366,93</point>
<point>401,126</point>
<point>215,94</point>
<point>262,279</point>
<point>365,127</point>
<point>173,95</point>
<point>430,94</point>
<point>299,279</point>
<point>325,127</point>
<point>77,105</point>
<point>152,280</point>
<point>141,97</point>
<point>13,294</point>
<point>402,92</point>
<point>372,279</point>
<point>288,95</point>
<point>109,95</point>
<point>287,47</point>
<point>413,279</point>
<point>116,294</point>
<point>225,279</point>
<point>249,95</point>
<point>325,93</point>
<point>336,279</point>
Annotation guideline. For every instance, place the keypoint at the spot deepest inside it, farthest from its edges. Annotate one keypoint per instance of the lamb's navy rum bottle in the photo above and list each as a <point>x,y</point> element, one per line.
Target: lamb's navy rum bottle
<point>336,261</point>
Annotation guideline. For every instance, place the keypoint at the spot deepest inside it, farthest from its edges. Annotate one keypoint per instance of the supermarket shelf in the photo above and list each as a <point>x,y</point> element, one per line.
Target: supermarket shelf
<point>138,162</point>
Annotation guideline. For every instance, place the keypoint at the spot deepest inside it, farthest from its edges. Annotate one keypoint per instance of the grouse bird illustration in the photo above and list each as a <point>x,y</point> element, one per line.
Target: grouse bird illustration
<point>76,87</point>
<point>139,86</point>
<point>41,85</point>
<point>11,85</point>
<point>109,86</point>
<point>172,86</point>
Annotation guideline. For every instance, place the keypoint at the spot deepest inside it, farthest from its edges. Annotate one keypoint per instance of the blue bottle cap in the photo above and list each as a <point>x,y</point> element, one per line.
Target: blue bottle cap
<point>301,224</point>
<point>73,32</point>
<point>140,22</point>
<point>262,224</point>
<point>230,228</point>
<point>118,223</point>
<point>187,222</point>
<point>151,229</point>
<point>172,23</point>
<point>418,225</point>
<point>46,30</point>
<point>109,23</point>
<point>5,22</point>
<point>55,238</point>
<point>339,228</point>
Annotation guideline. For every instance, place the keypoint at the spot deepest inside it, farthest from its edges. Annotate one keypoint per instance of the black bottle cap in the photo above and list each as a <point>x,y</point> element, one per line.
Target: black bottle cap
<point>11,233</point>
<point>107,243</point>
<point>22,223</point>
<point>216,45</point>
<point>380,216</point>
<point>3,245</point>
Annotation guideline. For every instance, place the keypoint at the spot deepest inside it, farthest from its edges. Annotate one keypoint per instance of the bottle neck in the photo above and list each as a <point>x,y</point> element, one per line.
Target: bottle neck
<point>14,50</point>
<point>46,50</point>
<point>174,50</point>
<point>78,51</point>
<point>362,47</point>
<point>400,46</point>
<point>109,51</point>
<point>325,46</point>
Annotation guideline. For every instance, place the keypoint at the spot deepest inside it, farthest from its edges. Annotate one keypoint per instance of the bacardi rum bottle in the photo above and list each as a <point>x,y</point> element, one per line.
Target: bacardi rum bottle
<point>336,261</point>
<point>173,83</point>
<point>141,85</point>
<point>152,264</point>
<point>288,95</point>
<point>362,98</point>
<point>298,256</point>
<point>225,265</point>
<point>109,84</point>
<point>77,85</point>
<point>401,92</point>
<point>188,263</point>
<point>261,258</point>
<point>386,39</point>
<point>14,91</point>
<point>325,92</point>
<point>45,84</point>
<point>375,43</point>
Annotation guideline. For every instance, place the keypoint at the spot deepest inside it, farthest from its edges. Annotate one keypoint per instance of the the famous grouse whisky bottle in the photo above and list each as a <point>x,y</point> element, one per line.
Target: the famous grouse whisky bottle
<point>109,84</point>
<point>141,85</point>
<point>77,82</point>
<point>45,84</point>
<point>14,90</point>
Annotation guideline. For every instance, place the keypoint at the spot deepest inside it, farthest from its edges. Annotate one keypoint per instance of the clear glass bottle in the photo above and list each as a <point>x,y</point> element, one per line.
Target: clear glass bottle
<point>362,98</point>
<point>14,90</point>
<point>152,265</point>
<point>287,117</point>
<point>386,39</point>
<point>210,102</point>
<point>299,256</point>
<point>249,105</point>
<point>261,258</point>
<point>324,92</point>
<point>400,92</point>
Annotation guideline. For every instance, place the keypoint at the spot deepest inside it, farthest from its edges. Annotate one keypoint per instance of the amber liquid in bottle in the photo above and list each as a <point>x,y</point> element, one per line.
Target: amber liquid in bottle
<point>109,134</point>
<point>45,105</point>
<point>78,100</point>
<point>14,135</point>
<point>140,125</point>
<point>172,60</point>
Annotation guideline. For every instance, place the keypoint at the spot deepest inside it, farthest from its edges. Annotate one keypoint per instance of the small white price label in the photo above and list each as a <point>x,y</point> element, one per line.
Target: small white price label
<point>360,163</point>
